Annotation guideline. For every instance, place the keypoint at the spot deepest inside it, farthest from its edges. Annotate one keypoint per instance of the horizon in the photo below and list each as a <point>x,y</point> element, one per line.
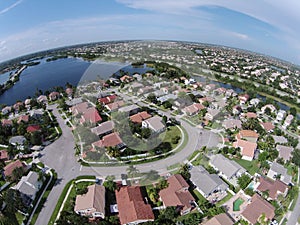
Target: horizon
<point>254,27</point>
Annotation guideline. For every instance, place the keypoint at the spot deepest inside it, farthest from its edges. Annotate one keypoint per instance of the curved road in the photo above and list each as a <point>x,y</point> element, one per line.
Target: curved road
<point>60,156</point>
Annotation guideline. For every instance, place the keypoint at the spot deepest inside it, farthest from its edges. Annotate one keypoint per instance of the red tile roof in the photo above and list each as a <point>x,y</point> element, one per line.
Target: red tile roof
<point>8,169</point>
<point>247,134</point>
<point>251,115</point>
<point>33,128</point>
<point>79,108</point>
<point>247,148</point>
<point>256,208</point>
<point>139,117</point>
<point>114,105</point>
<point>273,187</point>
<point>131,205</point>
<point>3,155</point>
<point>6,122</point>
<point>110,140</point>
<point>268,126</point>
<point>107,99</point>
<point>91,115</point>
<point>23,118</point>
<point>177,194</point>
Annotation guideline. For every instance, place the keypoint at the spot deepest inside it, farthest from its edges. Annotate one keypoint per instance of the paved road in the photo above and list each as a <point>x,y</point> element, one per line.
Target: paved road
<point>60,156</point>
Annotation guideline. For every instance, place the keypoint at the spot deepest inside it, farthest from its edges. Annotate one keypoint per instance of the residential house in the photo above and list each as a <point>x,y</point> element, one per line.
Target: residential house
<point>154,123</point>
<point>206,183</point>
<point>177,194</point>
<point>6,110</point>
<point>274,188</point>
<point>103,128</point>
<point>211,114</point>
<point>192,109</point>
<point>137,76</point>
<point>254,101</point>
<point>230,92</point>
<point>107,100</point>
<point>69,92</point>
<point>220,91</point>
<point>6,122</point>
<point>180,103</point>
<point>268,126</point>
<point>144,90</point>
<point>248,149</point>
<point>279,139</point>
<point>42,99</point>
<point>129,109</point>
<point>257,208</point>
<point>28,187</point>
<point>277,171</point>
<point>243,98</point>
<point>167,97</point>
<point>270,107</point>
<point>221,219</point>
<point>36,113</point>
<point>288,121</point>
<point>280,115</point>
<point>232,124</point>
<point>8,169</point>
<point>23,118</point>
<point>132,207</point>
<point>92,203</point>
<point>236,110</point>
<point>285,152</point>
<point>74,101</point>
<point>33,128</point>
<point>249,135</point>
<point>91,115</point>
<point>54,95</point>
<point>109,140</point>
<point>126,79</point>
<point>18,141</point>
<point>114,105</point>
<point>140,117</point>
<point>250,115</point>
<point>18,106</point>
<point>228,169</point>
<point>79,108</point>
<point>135,86</point>
<point>3,155</point>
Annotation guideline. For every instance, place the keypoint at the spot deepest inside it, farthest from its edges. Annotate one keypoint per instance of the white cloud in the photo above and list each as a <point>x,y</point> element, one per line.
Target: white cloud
<point>10,7</point>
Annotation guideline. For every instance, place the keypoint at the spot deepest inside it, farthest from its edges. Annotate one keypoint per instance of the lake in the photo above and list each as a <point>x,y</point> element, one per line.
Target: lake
<point>46,75</point>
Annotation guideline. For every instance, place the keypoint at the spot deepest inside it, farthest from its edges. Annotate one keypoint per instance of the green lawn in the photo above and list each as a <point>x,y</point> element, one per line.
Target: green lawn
<point>19,217</point>
<point>250,166</point>
<point>171,132</point>
<point>227,197</point>
<point>199,196</point>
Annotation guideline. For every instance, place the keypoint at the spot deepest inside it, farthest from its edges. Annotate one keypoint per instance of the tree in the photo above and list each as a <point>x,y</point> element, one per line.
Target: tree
<point>263,156</point>
<point>146,133</point>
<point>293,111</point>
<point>167,105</point>
<point>70,217</point>
<point>132,171</point>
<point>184,171</point>
<point>243,181</point>
<point>36,138</point>
<point>296,157</point>
<point>110,185</point>
<point>152,98</point>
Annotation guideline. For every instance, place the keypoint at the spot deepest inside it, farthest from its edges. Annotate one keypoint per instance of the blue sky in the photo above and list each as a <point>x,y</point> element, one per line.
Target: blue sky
<point>264,26</point>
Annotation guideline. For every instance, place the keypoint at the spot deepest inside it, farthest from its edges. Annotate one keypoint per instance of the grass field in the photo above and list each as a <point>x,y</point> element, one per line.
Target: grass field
<point>250,166</point>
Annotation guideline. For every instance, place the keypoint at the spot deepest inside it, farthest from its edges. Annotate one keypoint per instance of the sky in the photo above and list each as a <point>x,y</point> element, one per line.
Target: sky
<point>269,27</point>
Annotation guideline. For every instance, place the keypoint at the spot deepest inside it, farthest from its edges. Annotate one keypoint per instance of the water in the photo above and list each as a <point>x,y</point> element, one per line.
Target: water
<point>133,70</point>
<point>5,76</point>
<point>46,75</point>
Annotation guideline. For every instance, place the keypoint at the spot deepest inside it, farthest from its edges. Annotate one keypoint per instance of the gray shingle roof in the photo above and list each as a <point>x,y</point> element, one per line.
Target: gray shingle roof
<point>207,183</point>
<point>228,167</point>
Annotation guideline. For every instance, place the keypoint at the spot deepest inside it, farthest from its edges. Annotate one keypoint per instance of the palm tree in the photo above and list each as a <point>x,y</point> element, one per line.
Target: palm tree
<point>132,171</point>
